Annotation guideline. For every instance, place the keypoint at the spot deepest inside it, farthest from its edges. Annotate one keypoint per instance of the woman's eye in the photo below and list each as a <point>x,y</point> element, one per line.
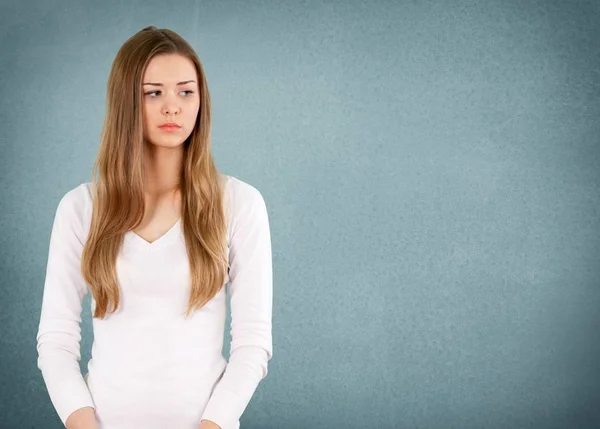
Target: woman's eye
<point>156,92</point>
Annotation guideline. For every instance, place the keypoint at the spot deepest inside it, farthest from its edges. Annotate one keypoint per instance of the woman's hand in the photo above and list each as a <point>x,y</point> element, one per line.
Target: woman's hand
<point>83,418</point>
<point>207,424</point>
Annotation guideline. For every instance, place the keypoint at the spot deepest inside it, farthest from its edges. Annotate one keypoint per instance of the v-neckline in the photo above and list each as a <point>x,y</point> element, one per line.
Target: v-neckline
<point>134,239</point>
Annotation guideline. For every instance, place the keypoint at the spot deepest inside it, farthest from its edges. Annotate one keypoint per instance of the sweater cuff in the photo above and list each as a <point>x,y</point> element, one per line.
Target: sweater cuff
<point>230,397</point>
<point>70,397</point>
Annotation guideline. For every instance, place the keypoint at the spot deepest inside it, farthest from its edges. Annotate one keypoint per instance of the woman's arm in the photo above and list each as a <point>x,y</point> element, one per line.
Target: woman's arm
<point>251,291</point>
<point>59,331</point>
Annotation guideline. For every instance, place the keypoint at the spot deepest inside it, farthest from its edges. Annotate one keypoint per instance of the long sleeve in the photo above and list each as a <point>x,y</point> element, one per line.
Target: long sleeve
<point>59,333</point>
<point>251,289</point>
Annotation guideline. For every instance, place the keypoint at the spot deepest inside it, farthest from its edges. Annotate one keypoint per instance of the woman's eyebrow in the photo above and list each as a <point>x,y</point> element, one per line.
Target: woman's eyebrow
<point>160,84</point>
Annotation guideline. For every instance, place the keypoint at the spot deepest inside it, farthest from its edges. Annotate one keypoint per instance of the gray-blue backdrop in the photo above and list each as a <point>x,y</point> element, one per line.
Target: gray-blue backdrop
<point>431,170</point>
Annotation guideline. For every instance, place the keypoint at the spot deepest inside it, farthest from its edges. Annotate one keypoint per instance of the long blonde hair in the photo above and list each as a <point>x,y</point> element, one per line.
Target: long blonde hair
<point>118,193</point>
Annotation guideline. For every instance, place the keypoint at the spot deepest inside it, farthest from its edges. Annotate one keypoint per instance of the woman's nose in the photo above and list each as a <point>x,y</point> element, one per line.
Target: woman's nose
<point>170,107</point>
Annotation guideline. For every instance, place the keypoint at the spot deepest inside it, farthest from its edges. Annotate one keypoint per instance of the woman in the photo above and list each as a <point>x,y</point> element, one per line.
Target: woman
<point>155,239</point>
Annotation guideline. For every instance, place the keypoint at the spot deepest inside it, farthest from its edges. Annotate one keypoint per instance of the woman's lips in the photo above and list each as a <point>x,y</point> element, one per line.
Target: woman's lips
<point>169,128</point>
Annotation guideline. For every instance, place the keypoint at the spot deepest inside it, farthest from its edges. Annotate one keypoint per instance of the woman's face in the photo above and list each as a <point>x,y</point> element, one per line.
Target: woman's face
<point>170,87</point>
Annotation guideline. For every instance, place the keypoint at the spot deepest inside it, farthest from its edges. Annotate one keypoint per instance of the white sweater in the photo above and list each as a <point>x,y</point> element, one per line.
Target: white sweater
<point>150,368</point>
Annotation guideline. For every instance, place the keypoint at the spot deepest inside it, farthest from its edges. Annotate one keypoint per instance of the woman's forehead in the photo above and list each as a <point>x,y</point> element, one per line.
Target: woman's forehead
<point>170,70</point>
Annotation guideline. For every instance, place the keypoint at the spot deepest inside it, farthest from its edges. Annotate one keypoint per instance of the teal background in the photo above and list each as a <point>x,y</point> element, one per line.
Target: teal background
<point>431,171</point>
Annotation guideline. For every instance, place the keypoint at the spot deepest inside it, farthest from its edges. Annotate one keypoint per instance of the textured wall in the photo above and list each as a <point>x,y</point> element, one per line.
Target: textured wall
<point>431,170</point>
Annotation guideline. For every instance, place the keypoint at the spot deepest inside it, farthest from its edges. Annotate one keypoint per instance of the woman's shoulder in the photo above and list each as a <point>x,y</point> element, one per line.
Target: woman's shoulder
<point>243,201</point>
<point>78,198</point>
<point>241,192</point>
<point>74,207</point>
